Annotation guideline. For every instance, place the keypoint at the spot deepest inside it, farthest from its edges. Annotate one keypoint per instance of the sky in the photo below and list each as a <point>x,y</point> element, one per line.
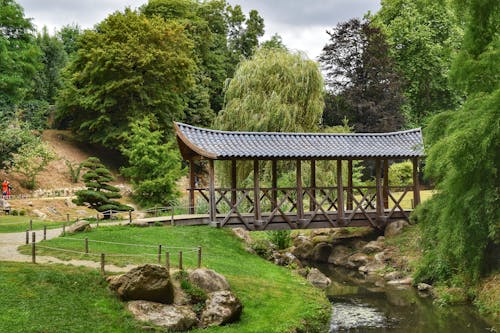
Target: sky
<point>301,24</point>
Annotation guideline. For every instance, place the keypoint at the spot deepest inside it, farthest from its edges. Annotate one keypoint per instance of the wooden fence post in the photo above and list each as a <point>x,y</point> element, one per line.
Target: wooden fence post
<point>102,264</point>
<point>130,216</point>
<point>159,254</point>
<point>31,224</point>
<point>67,218</point>
<point>199,256</point>
<point>86,245</point>
<point>64,229</point>
<point>167,261</point>
<point>97,220</point>
<point>44,232</point>
<point>33,249</point>
<point>180,260</point>
<point>27,236</point>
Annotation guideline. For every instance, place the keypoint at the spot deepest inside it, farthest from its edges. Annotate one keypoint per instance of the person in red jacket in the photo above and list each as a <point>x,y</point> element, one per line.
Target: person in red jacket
<point>5,189</point>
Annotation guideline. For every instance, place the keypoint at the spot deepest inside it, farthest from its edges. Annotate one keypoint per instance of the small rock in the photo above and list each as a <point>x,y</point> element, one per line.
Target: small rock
<point>208,280</point>
<point>171,317</point>
<point>79,226</point>
<point>371,268</point>
<point>221,307</point>
<point>424,287</point>
<point>381,257</point>
<point>303,248</point>
<point>358,244</point>
<point>318,279</point>
<point>339,255</point>
<point>322,239</point>
<point>357,260</point>
<point>81,212</point>
<point>372,247</point>
<point>146,282</point>
<point>395,228</point>
<point>396,275</point>
<point>380,239</point>
<point>30,203</point>
<point>39,214</point>
<point>404,281</point>
<point>69,203</point>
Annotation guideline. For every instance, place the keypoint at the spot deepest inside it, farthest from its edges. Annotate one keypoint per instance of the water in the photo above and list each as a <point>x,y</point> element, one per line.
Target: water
<point>360,305</point>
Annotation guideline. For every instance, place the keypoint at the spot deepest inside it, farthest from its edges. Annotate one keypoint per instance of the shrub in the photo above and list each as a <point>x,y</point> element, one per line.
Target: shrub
<point>401,174</point>
<point>280,238</point>
<point>262,248</point>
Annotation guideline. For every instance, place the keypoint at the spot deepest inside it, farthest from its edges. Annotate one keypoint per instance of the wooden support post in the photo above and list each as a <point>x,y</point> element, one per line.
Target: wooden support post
<point>416,183</point>
<point>67,218</point>
<point>340,195</point>
<point>211,192</point>
<point>192,184</point>
<point>312,203</point>
<point>199,256</point>
<point>86,245</point>
<point>350,193</point>
<point>64,229</point>
<point>159,254</point>
<point>27,236</point>
<point>386,183</point>
<point>33,249</point>
<point>97,220</point>
<point>300,195</point>
<point>233,183</point>
<point>180,260</point>
<point>379,194</point>
<point>274,183</point>
<point>31,224</point>
<point>44,232</point>
<point>167,261</point>
<point>130,217</point>
<point>256,195</point>
<point>103,263</point>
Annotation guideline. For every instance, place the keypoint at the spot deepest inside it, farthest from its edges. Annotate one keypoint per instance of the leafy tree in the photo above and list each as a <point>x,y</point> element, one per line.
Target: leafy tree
<point>19,55</point>
<point>364,85</point>
<point>423,35</point>
<point>127,67</point>
<point>14,135</point>
<point>275,42</point>
<point>99,194</point>
<point>154,166</point>
<point>462,220</point>
<point>69,35</point>
<point>31,159</point>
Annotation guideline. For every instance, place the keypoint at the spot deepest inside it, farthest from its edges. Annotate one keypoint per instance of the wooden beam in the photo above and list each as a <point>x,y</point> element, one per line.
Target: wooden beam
<point>211,191</point>
<point>274,183</point>
<point>379,194</point>
<point>349,185</point>
<point>300,199</point>
<point>256,195</point>
<point>233,182</point>
<point>386,183</point>
<point>340,195</point>
<point>416,184</point>
<point>192,185</point>
<point>312,202</point>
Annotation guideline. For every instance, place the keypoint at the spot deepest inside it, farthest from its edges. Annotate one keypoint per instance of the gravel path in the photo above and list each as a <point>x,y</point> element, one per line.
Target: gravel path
<point>9,242</point>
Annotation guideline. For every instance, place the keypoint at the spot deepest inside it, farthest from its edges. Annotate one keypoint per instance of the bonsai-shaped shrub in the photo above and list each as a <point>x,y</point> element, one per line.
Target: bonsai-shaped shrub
<point>99,194</point>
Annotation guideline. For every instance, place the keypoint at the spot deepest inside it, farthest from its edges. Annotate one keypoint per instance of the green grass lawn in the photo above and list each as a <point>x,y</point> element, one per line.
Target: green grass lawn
<point>275,299</point>
<point>55,298</point>
<point>9,223</point>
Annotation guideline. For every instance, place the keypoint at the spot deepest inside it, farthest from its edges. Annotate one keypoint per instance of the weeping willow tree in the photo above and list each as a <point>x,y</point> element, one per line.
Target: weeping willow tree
<point>274,91</point>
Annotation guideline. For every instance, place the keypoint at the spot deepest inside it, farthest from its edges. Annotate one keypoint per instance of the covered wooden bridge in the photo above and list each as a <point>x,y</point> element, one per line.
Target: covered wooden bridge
<point>303,205</point>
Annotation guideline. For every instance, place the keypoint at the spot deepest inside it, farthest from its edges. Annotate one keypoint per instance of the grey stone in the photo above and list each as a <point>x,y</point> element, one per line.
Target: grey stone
<point>395,228</point>
<point>39,214</point>
<point>303,248</point>
<point>358,244</point>
<point>221,307</point>
<point>396,275</point>
<point>318,279</point>
<point>339,255</point>
<point>208,280</point>
<point>79,226</point>
<point>321,252</point>
<point>373,247</point>
<point>146,282</point>
<point>424,287</point>
<point>171,317</point>
<point>403,281</point>
<point>357,260</point>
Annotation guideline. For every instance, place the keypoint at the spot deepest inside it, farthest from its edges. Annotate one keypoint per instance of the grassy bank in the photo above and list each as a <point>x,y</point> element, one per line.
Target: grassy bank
<point>9,223</point>
<point>274,298</point>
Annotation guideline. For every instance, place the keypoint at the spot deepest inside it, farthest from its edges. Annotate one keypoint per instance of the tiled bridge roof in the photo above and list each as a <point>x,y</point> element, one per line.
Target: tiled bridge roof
<point>195,142</point>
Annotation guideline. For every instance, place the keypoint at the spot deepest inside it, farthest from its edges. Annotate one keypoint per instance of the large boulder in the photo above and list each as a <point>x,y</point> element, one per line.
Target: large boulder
<point>208,280</point>
<point>321,252</point>
<point>221,307</point>
<point>395,228</point>
<point>339,255</point>
<point>171,317</point>
<point>318,279</point>
<point>79,226</point>
<point>357,260</point>
<point>302,247</point>
<point>373,247</point>
<point>147,282</point>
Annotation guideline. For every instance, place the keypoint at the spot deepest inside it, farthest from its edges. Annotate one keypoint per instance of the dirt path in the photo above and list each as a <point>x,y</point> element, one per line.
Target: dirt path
<point>9,242</point>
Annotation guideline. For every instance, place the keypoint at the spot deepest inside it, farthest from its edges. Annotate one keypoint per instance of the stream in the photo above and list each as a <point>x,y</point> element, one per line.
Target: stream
<point>360,305</point>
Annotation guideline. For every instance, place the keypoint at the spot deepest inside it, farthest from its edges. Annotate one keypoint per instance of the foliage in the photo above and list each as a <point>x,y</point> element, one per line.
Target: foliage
<point>31,159</point>
<point>423,35</point>
<point>99,194</point>
<point>401,174</point>
<point>281,238</point>
<point>364,85</point>
<point>154,166</point>
<point>34,113</point>
<point>14,136</point>
<point>261,286</point>
<point>69,35</point>
<point>19,54</point>
<point>463,218</point>
<point>129,66</point>
<point>74,169</point>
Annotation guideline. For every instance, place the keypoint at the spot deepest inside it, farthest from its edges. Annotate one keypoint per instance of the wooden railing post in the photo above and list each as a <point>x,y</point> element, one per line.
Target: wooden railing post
<point>274,183</point>
<point>191,186</point>
<point>349,185</point>
<point>211,193</point>
<point>300,198</point>
<point>416,184</point>
<point>379,194</point>
<point>312,201</point>
<point>386,183</point>
<point>340,195</point>
<point>233,183</point>
<point>256,195</point>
